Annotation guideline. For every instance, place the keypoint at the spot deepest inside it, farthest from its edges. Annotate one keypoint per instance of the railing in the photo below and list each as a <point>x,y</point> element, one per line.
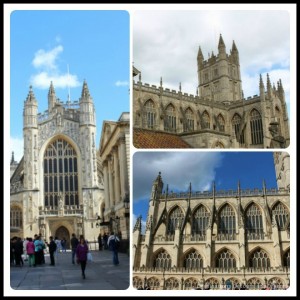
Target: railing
<point>226,237</point>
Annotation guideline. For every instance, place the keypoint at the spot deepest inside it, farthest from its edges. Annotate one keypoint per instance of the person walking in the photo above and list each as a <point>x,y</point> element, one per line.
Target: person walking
<point>113,245</point>
<point>52,249</point>
<point>74,244</point>
<point>105,238</point>
<point>100,241</point>
<point>81,254</point>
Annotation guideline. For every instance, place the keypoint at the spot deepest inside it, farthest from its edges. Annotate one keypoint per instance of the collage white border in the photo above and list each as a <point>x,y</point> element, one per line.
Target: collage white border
<point>132,8</point>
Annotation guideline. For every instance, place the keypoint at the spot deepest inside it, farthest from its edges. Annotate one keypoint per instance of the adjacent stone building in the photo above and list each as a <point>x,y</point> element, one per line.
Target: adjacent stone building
<point>114,151</point>
<point>215,239</point>
<point>218,116</point>
<point>58,187</point>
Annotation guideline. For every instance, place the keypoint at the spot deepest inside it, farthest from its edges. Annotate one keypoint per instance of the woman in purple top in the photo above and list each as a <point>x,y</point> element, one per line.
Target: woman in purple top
<point>81,254</point>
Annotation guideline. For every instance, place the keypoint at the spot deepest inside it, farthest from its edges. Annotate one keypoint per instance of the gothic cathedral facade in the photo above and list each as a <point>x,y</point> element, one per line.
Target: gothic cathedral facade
<point>216,239</point>
<point>58,187</point>
<point>218,116</point>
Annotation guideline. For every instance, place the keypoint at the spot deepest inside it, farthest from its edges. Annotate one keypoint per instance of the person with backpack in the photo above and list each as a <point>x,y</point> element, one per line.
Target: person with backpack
<point>113,245</point>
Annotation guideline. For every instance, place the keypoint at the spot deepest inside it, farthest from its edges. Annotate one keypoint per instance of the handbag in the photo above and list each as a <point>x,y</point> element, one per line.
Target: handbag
<point>89,256</point>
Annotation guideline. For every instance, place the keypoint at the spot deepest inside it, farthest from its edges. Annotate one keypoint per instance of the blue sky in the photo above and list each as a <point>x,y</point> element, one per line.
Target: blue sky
<point>93,44</point>
<point>178,169</point>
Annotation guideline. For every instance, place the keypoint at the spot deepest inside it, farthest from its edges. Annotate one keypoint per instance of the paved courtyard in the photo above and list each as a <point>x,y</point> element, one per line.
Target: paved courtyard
<point>101,274</point>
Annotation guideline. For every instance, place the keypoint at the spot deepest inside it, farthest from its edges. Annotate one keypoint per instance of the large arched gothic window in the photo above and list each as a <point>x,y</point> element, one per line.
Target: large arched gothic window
<point>189,124</point>
<point>193,260</point>
<point>225,260</point>
<point>137,282</point>
<point>149,115</point>
<point>254,223</point>
<point>281,215</point>
<point>172,284</point>
<point>175,220</point>
<point>236,126</point>
<point>221,123</point>
<point>200,223</point>
<point>256,128</point>
<point>191,283</point>
<point>254,284</point>
<point>153,283</point>
<point>205,120</point>
<point>60,174</point>
<point>162,260</point>
<point>259,259</point>
<point>226,223</point>
<point>16,219</point>
<point>170,121</point>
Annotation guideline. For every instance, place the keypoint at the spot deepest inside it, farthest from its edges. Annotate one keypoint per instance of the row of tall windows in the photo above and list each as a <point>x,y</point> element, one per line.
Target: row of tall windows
<point>259,259</point>
<point>227,221</point>
<point>149,121</point>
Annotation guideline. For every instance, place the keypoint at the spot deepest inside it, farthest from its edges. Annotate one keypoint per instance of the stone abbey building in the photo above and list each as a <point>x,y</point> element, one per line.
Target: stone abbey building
<point>215,239</point>
<point>218,116</point>
<point>61,184</point>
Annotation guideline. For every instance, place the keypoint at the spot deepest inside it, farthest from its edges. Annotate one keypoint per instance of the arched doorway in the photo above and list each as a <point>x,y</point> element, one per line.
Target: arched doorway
<point>63,232</point>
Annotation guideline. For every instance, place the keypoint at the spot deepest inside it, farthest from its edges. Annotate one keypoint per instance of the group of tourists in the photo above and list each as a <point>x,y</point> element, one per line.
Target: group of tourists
<point>33,250</point>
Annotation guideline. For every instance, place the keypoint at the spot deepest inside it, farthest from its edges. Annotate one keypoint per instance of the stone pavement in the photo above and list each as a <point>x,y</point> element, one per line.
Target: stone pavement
<point>101,274</point>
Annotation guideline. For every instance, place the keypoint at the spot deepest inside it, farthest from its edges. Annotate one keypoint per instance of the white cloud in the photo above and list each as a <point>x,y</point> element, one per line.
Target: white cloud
<point>47,65</point>
<point>44,59</point>
<point>16,146</point>
<point>168,48</point>
<point>121,83</point>
<point>178,170</point>
<point>43,79</point>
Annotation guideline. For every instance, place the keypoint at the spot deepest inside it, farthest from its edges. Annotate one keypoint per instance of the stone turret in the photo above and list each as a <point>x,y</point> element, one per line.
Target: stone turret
<point>51,98</point>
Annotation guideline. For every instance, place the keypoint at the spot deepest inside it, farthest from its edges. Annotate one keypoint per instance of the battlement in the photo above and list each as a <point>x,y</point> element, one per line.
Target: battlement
<point>221,193</point>
<point>146,87</point>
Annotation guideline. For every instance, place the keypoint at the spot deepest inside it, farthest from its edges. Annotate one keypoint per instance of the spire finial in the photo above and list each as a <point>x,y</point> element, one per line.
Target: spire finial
<point>179,86</point>
<point>161,82</point>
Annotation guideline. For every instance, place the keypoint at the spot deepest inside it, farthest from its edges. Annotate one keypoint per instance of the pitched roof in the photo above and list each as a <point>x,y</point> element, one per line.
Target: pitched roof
<point>143,138</point>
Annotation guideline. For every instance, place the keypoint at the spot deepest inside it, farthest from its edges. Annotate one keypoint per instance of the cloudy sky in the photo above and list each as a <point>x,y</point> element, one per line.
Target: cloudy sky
<point>166,43</point>
<point>201,169</point>
<point>66,47</point>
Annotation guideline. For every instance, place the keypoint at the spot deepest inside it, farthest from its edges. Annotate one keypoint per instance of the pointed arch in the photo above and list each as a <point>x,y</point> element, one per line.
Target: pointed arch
<point>172,283</point>
<point>200,222</point>
<point>226,223</point>
<point>235,283</point>
<point>153,283</point>
<point>170,120</point>
<point>205,120</point>
<point>256,127</point>
<point>175,219</point>
<point>60,163</point>
<point>255,283</point>
<point>149,114</point>
<point>225,259</point>
<point>162,259</point>
<point>218,145</point>
<point>212,284</point>
<point>281,214</point>
<point>192,260</point>
<point>191,283</point>
<point>259,259</point>
<point>137,282</point>
<point>189,124</point>
<point>254,222</point>
<point>276,283</point>
<point>221,122</point>
<point>237,128</point>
